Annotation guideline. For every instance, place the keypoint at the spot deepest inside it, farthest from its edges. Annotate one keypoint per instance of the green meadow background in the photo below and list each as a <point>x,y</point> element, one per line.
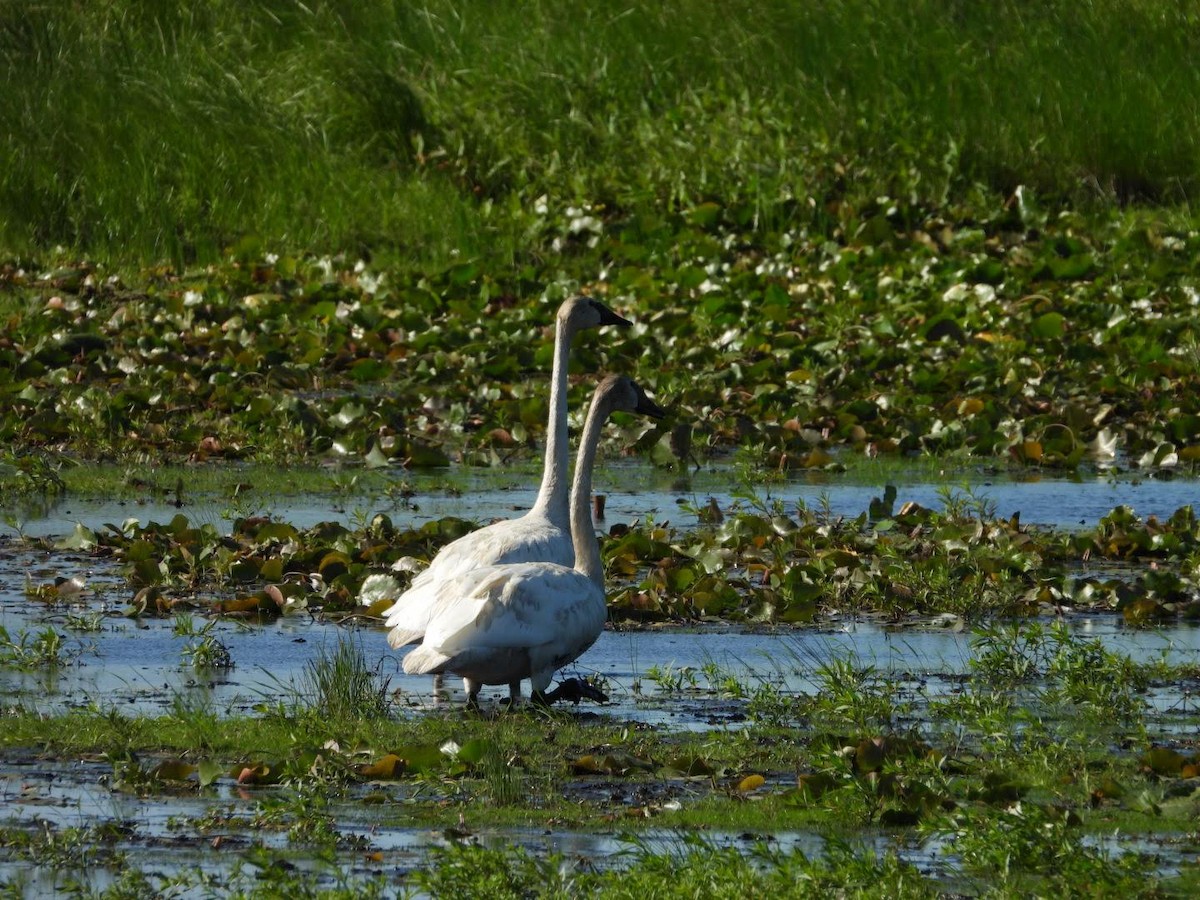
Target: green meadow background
<point>161,130</point>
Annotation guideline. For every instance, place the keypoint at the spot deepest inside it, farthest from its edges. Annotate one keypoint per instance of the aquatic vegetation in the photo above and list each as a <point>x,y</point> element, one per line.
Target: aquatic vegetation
<point>1004,778</point>
<point>28,475</point>
<point>44,649</point>
<point>338,686</point>
<point>232,339</point>
<point>204,650</point>
<point>858,251</point>
<point>757,566</point>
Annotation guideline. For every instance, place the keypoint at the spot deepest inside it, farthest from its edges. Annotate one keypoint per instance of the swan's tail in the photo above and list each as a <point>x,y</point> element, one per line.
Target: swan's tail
<point>425,661</point>
<point>399,637</point>
<point>408,617</point>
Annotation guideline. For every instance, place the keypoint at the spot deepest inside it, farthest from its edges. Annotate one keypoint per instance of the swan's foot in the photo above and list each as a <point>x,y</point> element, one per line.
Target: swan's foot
<point>572,689</point>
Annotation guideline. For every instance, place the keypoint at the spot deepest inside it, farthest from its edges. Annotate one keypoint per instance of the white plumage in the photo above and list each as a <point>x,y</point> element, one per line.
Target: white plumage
<point>508,622</point>
<point>541,535</point>
<point>502,623</point>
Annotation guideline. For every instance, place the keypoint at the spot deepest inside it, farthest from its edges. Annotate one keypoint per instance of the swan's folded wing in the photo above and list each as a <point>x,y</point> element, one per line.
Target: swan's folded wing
<point>408,617</point>
<point>517,541</point>
<point>399,637</point>
<point>527,539</point>
<point>513,607</point>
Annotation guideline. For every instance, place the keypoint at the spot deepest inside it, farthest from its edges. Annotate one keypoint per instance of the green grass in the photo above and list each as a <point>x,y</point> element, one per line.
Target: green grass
<point>431,129</point>
<point>1017,814</point>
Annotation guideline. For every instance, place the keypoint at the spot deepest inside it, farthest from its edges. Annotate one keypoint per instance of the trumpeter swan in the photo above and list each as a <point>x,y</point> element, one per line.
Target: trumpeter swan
<point>541,535</point>
<point>499,624</point>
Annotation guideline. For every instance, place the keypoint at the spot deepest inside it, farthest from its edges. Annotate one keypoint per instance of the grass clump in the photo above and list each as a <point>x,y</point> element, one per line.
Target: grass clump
<point>31,651</point>
<point>338,687</point>
<point>699,869</point>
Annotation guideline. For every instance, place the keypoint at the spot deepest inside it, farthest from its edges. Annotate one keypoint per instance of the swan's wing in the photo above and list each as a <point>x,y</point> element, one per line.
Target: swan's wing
<point>465,616</point>
<point>409,615</point>
<point>400,637</point>
<point>527,539</point>
<point>514,607</point>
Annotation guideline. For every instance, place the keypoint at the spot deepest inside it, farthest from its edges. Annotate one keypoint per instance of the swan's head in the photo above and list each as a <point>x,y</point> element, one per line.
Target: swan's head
<point>584,312</point>
<point>621,394</point>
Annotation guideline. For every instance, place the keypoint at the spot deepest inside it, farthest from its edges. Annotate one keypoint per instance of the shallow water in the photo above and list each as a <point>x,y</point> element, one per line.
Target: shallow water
<point>667,677</point>
<point>173,833</point>
<point>635,491</point>
<point>139,664</point>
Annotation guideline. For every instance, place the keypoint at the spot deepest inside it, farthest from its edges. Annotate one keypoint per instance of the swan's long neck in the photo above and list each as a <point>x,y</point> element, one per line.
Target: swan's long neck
<point>552,499</point>
<point>583,533</point>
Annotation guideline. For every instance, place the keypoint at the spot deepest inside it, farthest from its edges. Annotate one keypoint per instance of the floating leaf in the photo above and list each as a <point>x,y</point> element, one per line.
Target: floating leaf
<point>172,770</point>
<point>609,764</point>
<point>255,774</point>
<point>810,786</point>
<point>389,766</point>
<point>376,458</point>
<point>81,538</point>
<point>750,783</point>
<point>1028,451</point>
<point>1142,611</point>
<point>424,456</point>
<point>333,564</point>
<point>586,765</point>
<point>1163,761</point>
<point>349,413</point>
<point>692,767</point>
<point>209,772</point>
<point>474,751</point>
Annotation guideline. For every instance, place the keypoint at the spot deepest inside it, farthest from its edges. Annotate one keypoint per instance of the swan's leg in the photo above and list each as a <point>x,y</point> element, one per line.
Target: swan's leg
<point>473,687</point>
<point>440,694</point>
<point>537,688</point>
<point>514,692</point>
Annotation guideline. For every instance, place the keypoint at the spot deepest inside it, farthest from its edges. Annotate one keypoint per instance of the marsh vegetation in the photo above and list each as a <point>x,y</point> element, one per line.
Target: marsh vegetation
<point>253,254</point>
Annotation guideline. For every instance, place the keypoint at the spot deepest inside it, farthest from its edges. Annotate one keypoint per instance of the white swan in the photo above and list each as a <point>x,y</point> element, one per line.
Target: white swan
<point>541,535</point>
<point>499,624</point>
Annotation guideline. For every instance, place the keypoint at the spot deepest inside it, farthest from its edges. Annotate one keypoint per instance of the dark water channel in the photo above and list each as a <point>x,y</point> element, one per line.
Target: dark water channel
<point>668,678</point>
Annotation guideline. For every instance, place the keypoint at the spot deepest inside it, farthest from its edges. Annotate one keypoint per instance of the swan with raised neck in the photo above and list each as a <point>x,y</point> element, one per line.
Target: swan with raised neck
<point>503,623</point>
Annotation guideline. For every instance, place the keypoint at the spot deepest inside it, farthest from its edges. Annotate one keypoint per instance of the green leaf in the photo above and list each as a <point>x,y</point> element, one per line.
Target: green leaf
<point>349,413</point>
<point>475,750</point>
<point>1048,326</point>
<point>209,771</point>
<point>82,538</point>
<point>376,458</point>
